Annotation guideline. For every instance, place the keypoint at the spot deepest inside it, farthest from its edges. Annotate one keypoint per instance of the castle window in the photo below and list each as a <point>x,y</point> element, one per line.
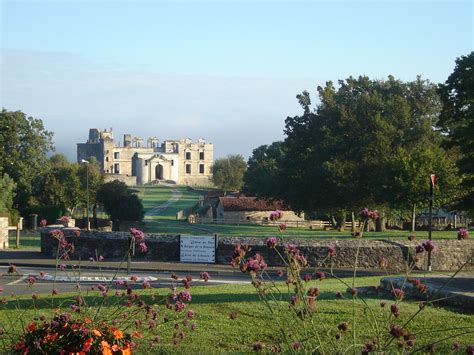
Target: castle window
<point>106,158</point>
<point>188,168</point>
<point>188,155</point>
<point>117,168</point>
<point>201,155</point>
<point>172,163</point>
<point>116,155</point>
<point>201,168</point>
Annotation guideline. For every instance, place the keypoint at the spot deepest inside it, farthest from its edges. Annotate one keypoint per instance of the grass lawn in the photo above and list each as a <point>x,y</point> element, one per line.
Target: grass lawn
<point>28,240</point>
<point>217,332</point>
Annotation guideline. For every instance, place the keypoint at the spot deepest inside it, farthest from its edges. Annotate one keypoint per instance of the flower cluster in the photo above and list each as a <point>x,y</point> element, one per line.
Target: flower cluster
<point>239,254</point>
<point>56,233</point>
<point>272,242</point>
<point>428,246</point>
<point>43,223</point>
<point>65,219</point>
<point>67,335</point>
<point>255,264</point>
<point>139,237</point>
<point>367,214</point>
<point>295,257</point>
<point>463,234</point>
<point>276,215</point>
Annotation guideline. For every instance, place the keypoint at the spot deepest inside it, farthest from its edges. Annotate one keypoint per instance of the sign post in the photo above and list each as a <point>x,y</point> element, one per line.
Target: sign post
<point>197,248</point>
<point>430,217</point>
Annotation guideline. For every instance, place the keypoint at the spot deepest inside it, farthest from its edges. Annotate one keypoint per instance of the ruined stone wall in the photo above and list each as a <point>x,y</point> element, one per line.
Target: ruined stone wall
<point>3,232</point>
<point>449,256</point>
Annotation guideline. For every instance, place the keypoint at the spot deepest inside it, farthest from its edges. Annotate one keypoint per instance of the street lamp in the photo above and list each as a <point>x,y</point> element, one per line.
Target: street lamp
<point>87,190</point>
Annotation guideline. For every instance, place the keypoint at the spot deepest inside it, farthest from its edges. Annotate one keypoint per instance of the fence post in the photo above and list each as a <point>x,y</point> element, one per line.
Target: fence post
<point>18,228</point>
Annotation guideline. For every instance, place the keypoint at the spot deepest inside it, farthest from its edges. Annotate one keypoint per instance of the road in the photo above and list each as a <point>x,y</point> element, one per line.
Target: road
<point>17,283</point>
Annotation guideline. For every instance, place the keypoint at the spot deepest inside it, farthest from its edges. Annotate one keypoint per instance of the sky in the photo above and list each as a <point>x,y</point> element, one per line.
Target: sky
<point>226,71</point>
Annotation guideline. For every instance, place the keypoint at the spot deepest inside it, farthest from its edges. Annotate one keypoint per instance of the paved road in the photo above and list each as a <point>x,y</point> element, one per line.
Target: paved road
<point>66,280</point>
<point>175,197</point>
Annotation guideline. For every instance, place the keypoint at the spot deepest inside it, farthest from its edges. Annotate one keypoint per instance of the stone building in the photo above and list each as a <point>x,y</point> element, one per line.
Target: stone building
<point>138,162</point>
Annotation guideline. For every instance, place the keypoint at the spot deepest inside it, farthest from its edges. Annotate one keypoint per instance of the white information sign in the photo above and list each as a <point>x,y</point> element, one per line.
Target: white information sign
<point>197,249</point>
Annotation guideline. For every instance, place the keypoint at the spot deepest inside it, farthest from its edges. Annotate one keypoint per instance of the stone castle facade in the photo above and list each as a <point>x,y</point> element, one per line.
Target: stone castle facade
<point>137,162</point>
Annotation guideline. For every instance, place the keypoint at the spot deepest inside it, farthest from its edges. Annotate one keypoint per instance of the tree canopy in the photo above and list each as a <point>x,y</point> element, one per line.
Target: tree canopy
<point>119,202</point>
<point>457,121</point>
<point>25,143</point>
<point>368,142</point>
<point>228,173</point>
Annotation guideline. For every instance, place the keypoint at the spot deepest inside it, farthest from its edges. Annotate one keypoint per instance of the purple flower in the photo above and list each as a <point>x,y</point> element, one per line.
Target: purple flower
<point>272,242</point>
<point>276,215</point>
<point>179,306</point>
<point>308,277</point>
<point>62,267</point>
<point>184,296</point>
<point>143,247</point>
<point>137,234</point>
<point>204,276</point>
<point>43,223</point>
<point>396,331</point>
<point>146,284</point>
<point>332,250</point>
<point>151,324</point>
<point>455,347</point>
<point>429,246</point>
<point>343,326</point>
<point>463,234</point>
<point>258,346</point>
<point>395,310</point>
<point>256,263</point>
<point>297,345</point>
<point>190,313</point>
<point>77,232</point>
<point>31,280</point>
<point>366,214</point>
<point>419,249</point>
<point>193,326</point>
<point>320,276</point>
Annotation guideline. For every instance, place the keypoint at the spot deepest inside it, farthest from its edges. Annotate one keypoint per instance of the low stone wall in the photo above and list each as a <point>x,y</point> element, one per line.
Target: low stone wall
<point>449,255</point>
<point>3,232</point>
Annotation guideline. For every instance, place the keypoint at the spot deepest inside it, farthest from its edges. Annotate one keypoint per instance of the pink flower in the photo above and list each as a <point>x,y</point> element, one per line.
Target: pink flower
<point>184,296</point>
<point>256,263</point>
<point>282,227</point>
<point>62,267</point>
<point>146,284</point>
<point>143,247</point>
<point>137,234</point>
<point>56,233</point>
<point>398,293</point>
<point>65,219</point>
<point>276,215</point>
<point>297,345</point>
<point>43,223</point>
<point>396,331</point>
<point>205,276</point>
<point>193,326</point>
<point>31,280</point>
<point>331,250</point>
<point>320,276</point>
<point>179,306</point>
<point>77,232</point>
<point>395,310</point>
<point>190,314</point>
<point>463,234</point>
<point>272,242</point>
<point>307,277</point>
<point>101,258</point>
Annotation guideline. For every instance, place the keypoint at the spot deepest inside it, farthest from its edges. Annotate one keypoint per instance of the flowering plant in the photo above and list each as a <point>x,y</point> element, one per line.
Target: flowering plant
<point>297,311</point>
<point>463,234</point>
<point>65,219</point>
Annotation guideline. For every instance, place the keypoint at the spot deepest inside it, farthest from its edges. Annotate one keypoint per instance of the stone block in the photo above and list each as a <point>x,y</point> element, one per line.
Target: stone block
<point>3,232</point>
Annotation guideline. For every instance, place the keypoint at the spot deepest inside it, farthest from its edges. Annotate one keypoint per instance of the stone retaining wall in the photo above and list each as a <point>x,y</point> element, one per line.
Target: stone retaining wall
<point>449,255</point>
<point>3,232</point>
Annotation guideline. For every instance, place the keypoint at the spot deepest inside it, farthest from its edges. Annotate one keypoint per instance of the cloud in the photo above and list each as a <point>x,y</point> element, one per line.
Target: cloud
<point>72,94</point>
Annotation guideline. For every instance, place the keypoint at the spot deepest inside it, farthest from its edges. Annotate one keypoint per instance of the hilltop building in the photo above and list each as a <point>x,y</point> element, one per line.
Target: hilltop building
<point>136,163</point>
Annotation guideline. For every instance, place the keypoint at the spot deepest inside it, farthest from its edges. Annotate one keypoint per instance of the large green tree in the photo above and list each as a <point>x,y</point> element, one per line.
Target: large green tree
<point>61,184</point>
<point>263,176</point>
<point>228,172</point>
<point>24,143</point>
<point>457,121</point>
<point>119,202</point>
<point>368,142</point>
<point>7,188</point>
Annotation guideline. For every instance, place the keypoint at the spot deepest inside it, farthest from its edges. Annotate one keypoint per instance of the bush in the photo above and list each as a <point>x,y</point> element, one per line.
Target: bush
<point>49,212</point>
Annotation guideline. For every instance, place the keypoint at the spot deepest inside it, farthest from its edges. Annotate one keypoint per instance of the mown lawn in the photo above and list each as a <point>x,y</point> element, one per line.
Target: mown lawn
<point>217,332</point>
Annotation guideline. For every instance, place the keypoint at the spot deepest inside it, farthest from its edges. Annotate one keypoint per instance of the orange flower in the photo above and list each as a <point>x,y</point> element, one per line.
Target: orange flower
<point>105,348</point>
<point>31,327</point>
<point>118,334</point>
<point>115,348</point>
<point>127,350</point>
<point>97,332</point>
<point>87,320</point>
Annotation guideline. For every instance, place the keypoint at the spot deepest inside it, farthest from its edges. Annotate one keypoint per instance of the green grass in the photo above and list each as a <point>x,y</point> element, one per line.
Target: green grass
<point>216,332</point>
<point>28,240</point>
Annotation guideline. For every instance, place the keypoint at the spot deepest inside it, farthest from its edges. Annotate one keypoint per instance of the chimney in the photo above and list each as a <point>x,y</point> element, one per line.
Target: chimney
<point>127,140</point>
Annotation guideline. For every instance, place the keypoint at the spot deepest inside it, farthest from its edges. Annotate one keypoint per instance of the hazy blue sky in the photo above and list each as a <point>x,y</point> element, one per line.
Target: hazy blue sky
<point>227,71</point>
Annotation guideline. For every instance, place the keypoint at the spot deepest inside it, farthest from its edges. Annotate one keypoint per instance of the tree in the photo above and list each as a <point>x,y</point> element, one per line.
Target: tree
<point>340,156</point>
<point>61,184</point>
<point>7,187</point>
<point>228,173</point>
<point>262,177</point>
<point>119,202</point>
<point>24,143</point>
<point>90,171</point>
<point>457,121</point>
